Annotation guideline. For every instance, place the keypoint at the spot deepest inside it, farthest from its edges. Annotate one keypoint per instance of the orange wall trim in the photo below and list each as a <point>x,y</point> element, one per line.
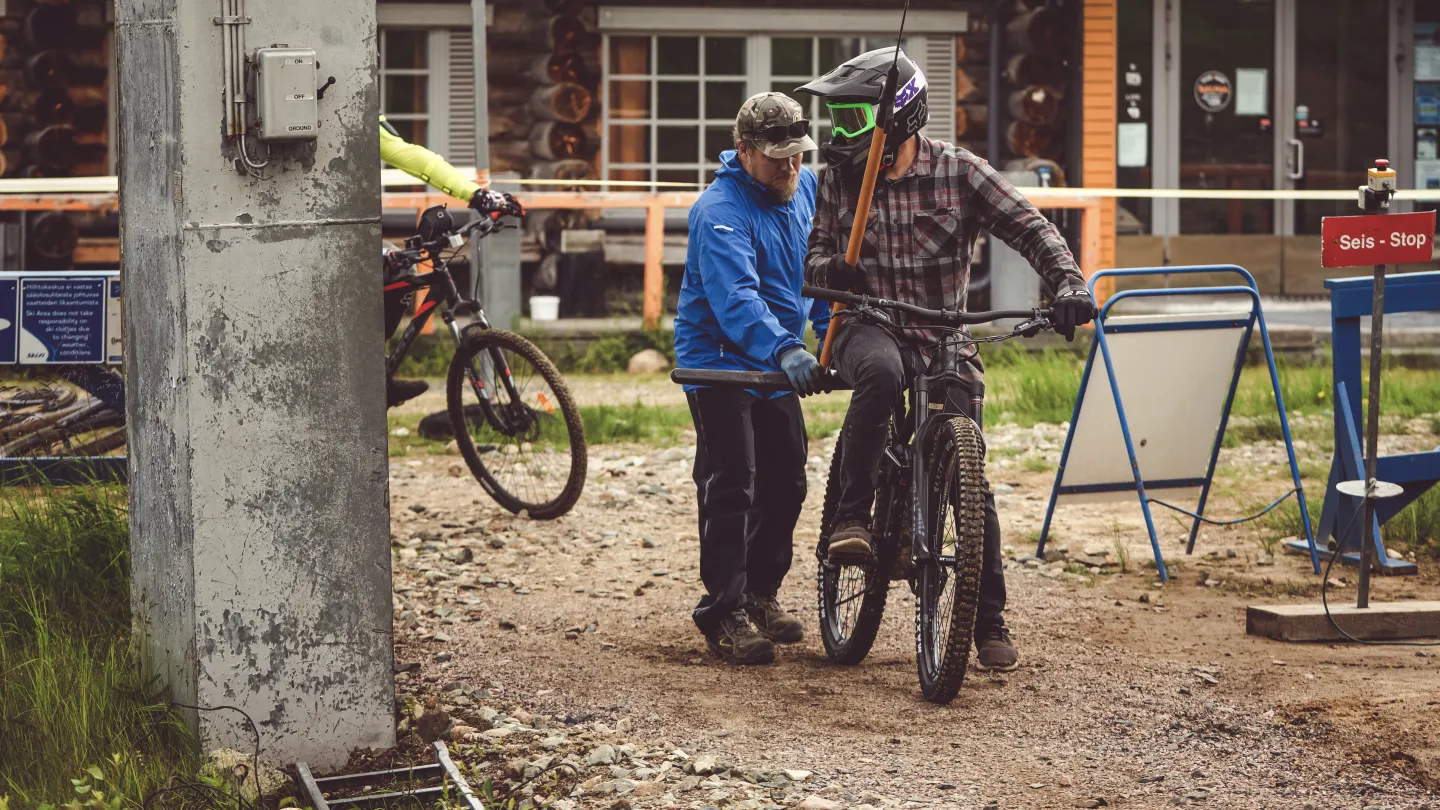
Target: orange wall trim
<point>1099,114</point>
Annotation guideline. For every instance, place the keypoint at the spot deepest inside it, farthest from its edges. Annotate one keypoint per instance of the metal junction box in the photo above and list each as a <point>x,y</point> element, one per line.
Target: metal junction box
<point>285,94</point>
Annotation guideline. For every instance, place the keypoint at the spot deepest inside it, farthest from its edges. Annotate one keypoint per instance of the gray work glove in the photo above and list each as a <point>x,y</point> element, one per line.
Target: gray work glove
<point>804,371</point>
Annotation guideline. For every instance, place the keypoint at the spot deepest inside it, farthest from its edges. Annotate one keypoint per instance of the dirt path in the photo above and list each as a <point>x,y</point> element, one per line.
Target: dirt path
<point>586,620</point>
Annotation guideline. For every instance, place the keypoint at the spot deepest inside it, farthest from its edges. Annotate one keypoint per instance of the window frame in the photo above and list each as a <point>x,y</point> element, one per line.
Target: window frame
<point>437,75</point>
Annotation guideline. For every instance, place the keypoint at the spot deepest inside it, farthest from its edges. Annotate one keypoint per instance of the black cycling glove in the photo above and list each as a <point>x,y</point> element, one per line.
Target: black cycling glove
<point>496,204</point>
<point>844,276</point>
<point>1072,309</point>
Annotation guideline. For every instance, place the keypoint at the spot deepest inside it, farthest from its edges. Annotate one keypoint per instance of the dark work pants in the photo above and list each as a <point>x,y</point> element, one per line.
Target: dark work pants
<point>750,480</point>
<point>871,360</point>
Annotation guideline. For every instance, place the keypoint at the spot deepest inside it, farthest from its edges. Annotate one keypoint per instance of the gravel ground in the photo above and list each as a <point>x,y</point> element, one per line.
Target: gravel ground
<point>571,641</point>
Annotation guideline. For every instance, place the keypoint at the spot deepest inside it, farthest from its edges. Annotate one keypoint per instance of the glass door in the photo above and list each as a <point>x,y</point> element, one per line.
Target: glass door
<point>1226,87</point>
<point>1335,119</point>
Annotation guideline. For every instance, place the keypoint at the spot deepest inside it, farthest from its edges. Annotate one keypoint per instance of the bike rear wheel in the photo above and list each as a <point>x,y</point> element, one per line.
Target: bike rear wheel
<point>852,594</point>
<point>948,588</point>
<point>516,423</point>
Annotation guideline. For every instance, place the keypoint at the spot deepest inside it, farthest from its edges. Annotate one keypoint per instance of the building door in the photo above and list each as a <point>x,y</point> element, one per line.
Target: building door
<point>1334,119</point>
<point>1288,95</point>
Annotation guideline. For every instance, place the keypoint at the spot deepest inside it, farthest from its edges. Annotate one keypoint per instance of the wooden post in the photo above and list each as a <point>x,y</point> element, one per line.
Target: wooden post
<point>654,262</point>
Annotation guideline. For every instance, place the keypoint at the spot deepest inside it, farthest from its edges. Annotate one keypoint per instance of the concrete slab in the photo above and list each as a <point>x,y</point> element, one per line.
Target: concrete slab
<point>1307,622</point>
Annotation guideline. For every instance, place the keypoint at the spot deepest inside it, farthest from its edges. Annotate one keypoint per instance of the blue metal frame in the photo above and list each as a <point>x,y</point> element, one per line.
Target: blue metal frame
<point>1351,300</point>
<point>1102,346</point>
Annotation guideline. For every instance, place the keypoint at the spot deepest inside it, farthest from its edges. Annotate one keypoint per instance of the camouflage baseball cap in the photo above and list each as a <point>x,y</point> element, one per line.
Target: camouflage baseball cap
<point>776,124</point>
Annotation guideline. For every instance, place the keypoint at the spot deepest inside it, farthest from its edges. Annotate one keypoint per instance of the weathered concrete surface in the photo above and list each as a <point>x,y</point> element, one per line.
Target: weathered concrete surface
<point>259,502</point>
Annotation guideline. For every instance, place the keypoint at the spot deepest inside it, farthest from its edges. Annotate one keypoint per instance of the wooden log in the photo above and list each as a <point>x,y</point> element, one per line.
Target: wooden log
<point>569,7</point>
<point>972,83</point>
<point>972,49</point>
<point>1036,104</point>
<point>46,106</point>
<point>562,170</point>
<point>1039,30</point>
<point>545,68</point>
<point>1029,140</point>
<point>511,121</point>
<point>510,156</point>
<point>508,92</point>
<point>52,235</point>
<point>520,29</point>
<point>568,102</point>
<point>556,140</point>
<point>971,118</point>
<point>1025,69</point>
<point>10,162</point>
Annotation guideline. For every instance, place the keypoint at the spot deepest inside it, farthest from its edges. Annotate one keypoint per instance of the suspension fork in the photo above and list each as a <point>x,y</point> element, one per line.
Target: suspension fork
<point>919,485</point>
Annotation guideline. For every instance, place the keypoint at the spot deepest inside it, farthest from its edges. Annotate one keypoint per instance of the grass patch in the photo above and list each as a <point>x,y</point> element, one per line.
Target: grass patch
<point>1029,387</point>
<point>1417,527</point>
<point>76,722</point>
<point>604,424</point>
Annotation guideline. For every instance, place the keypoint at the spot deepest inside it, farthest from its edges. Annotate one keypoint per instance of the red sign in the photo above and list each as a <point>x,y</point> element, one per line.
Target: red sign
<point>1366,241</point>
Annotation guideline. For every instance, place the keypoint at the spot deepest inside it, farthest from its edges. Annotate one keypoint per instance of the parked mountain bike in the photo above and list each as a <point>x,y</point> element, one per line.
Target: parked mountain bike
<point>940,522</point>
<point>514,420</point>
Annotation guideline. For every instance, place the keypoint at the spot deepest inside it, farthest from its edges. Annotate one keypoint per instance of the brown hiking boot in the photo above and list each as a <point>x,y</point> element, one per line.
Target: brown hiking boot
<point>996,653</point>
<point>850,539</point>
<point>737,641</point>
<point>772,621</point>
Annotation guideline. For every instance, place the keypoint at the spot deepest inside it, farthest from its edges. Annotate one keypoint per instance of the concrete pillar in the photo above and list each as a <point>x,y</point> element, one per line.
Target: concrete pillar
<point>258,482</point>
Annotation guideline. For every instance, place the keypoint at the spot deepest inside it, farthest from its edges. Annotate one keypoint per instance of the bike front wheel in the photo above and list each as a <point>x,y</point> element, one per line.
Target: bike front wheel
<point>948,585</point>
<point>516,423</point>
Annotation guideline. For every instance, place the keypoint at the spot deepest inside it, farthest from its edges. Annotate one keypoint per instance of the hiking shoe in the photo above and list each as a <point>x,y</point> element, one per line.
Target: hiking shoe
<point>996,653</point>
<point>772,621</point>
<point>850,539</point>
<point>404,390</point>
<point>737,641</point>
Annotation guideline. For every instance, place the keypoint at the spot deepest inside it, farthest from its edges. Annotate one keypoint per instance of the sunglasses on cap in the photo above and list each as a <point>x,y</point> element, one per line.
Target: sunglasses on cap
<point>783,133</point>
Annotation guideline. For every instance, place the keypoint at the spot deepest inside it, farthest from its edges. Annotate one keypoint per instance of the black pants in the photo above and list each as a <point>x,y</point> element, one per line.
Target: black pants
<point>395,301</point>
<point>750,478</point>
<point>870,358</point>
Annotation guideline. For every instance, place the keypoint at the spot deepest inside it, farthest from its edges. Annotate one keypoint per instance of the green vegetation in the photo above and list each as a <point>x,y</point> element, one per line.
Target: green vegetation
<point>77,723</point>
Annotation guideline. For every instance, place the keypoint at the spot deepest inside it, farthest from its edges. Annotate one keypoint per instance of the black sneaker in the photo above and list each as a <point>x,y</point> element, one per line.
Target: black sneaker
<point>400,391</point>
<point>995,653</point>
<point>737,641</point>
<point>772,621</point>
<point>850,539</point>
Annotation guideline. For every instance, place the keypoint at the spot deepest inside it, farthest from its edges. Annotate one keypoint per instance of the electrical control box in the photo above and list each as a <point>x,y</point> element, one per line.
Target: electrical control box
<point>285,94</point>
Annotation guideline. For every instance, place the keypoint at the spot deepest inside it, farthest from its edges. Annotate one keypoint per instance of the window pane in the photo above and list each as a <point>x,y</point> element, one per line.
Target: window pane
<point>630,55</point>
<point>678,100</point>
<point>690,176</point>
<point>630,98</point>
<point>406,94</point>
<point>717,140</point>
<point>677,144</point>
<point>724,56</point>
<point>677,56</point>
<point>629,144</point>
<point>416,132</point>
<point>406,48</point>
<point>791,57</point>
<point>835,52</point>
<point>723,99</point>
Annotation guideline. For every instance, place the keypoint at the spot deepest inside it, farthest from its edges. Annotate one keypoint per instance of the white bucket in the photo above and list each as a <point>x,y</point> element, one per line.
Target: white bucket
<point>544,307</point>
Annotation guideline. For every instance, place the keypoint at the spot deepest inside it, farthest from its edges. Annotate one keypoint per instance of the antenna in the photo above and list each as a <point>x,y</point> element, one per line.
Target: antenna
<point>892,78</point>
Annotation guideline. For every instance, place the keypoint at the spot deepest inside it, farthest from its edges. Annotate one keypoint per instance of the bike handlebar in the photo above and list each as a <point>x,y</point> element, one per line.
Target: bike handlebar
<point>751,380</point>
<point>939,315</point>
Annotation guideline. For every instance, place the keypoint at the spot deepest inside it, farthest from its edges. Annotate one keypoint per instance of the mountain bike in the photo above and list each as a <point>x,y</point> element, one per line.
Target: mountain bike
<point>940,522</point>
<point>514,420</point>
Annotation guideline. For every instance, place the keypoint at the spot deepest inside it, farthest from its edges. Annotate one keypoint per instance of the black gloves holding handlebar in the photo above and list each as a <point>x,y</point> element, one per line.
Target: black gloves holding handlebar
<point>1072,309</point>
<point>496,204</point>
<point>844,276</point>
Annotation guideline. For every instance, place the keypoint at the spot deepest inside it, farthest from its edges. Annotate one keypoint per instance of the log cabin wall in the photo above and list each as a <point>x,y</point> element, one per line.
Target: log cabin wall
<point>55,99</point>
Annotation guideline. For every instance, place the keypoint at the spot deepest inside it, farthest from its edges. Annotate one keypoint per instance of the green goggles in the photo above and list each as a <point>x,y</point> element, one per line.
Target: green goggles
<point>851,120</point>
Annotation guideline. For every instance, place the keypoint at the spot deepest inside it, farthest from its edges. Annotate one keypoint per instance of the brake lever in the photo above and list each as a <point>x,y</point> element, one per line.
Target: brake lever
<point>1032,327</point>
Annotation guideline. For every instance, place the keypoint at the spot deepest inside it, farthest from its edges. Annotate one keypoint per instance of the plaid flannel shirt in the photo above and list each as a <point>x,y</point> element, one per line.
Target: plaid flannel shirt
<point>921,234</point>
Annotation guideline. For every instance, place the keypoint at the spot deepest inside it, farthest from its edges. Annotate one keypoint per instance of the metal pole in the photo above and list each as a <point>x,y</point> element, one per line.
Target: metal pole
<point>479,248</point>
<point>1372,435</point>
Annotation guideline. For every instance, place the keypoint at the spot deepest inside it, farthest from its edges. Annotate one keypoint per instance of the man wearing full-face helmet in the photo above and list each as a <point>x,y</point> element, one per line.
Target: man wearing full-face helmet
<point>931,201</point>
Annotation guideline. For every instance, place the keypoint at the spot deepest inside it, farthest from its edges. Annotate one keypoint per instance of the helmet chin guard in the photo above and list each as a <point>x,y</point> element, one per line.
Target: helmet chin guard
<point>861,81</point>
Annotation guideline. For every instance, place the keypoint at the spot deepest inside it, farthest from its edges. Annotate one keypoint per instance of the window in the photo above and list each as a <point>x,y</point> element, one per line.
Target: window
<point>670,98</point>
<point>405,82</point>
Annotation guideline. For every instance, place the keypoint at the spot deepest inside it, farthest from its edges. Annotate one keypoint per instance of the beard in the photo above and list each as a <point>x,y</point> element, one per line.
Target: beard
<point>785,186</point>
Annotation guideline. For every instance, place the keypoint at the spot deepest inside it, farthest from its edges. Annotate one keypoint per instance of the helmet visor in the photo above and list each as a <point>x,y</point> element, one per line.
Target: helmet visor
<point>851,120</point>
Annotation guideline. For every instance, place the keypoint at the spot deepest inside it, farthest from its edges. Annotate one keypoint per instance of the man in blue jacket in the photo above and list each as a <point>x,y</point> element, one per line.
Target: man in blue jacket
<point>741,309</point>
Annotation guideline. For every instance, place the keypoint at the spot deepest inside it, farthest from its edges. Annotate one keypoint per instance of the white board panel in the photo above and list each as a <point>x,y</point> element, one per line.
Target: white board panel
<point>1173,385</point>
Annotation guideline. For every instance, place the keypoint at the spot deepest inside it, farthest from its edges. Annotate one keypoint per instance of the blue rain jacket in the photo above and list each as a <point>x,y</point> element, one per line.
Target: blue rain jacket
<point>740,302</point>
